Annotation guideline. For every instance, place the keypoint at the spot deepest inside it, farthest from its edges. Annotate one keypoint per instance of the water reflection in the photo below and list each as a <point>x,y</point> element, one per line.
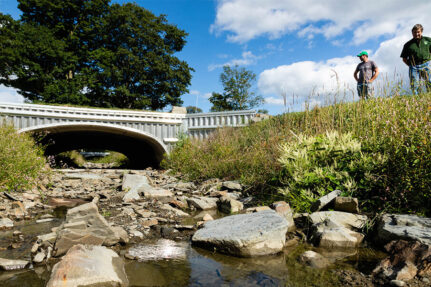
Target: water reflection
<point>161,250</point>
<point>167,263</point>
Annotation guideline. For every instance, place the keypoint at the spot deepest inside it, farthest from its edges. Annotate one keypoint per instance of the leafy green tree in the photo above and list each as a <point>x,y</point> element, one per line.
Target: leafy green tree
<point>237,91</point>
<point>89,52</point>
<point>193,110</point>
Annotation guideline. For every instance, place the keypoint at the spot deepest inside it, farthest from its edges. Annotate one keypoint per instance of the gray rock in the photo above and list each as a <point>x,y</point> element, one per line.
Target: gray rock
<point>397,283</point>
<point>5,223</point>
<point>347,204</point>
<point>203,203</point>
<point>50,237</point>
<point>229,205</point>
<point>231,186</point>
<point>331,235</point>
<point>131,184</point>
<point>344,219</point>
<point>283,208</point>
<point>325,200</point>
<point>89,266</point>
<point>82,175</point>
<point>84,225</point>
<point>175,211</point>
<point>244,235</point>
<point>9,264</point>
<point>39,257</point>
<point>153,192</point>
<point>403,226</point>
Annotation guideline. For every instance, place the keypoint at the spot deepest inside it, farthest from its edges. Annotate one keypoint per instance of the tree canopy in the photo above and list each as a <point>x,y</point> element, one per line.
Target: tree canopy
<point>237,91</point>
<point>89,52</point>
<point>193,110</point>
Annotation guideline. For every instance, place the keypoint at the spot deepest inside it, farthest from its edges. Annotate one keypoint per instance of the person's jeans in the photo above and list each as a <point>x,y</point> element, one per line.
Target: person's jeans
<point>419,76</point>
<point>364,90</point>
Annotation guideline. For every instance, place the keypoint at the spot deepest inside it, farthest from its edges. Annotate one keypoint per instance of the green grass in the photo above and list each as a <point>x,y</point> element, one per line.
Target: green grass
<point>397,129</point>
<point>22,163</point>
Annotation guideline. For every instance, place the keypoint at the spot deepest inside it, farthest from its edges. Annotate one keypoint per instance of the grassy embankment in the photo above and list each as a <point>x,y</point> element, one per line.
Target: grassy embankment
<point>377,150</point>
<point>22,164</point>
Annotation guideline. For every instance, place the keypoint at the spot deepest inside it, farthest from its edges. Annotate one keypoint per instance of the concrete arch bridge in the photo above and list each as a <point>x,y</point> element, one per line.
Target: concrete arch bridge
<point>143,136</point>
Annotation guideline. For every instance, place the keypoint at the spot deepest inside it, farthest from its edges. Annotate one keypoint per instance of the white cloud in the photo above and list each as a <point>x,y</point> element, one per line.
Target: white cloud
<point>244,20</point>
<point>274,101</point>
<point>308,79</point>
<point>194,92</point>
<point>9,95</point>
<point>314,81</point>
<point>247,58</point>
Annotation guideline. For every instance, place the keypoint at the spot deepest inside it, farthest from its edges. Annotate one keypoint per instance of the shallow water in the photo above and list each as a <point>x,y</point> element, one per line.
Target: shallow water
<point>169,263</point>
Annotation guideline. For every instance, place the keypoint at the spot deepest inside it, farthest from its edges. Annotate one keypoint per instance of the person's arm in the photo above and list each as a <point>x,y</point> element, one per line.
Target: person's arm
<point>355,75</point>
<point>376,73</point>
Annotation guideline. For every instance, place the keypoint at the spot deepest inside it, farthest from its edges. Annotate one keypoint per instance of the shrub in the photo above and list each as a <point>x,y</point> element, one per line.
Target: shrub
<point>314,166</point>
<point>21,161</point>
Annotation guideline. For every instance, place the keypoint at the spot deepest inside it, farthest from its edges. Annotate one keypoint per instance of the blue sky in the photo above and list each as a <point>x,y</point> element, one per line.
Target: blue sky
<point>301,50</point>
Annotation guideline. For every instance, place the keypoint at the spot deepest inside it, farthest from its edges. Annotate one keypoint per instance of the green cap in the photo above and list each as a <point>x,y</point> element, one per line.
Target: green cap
<point>363,53</point>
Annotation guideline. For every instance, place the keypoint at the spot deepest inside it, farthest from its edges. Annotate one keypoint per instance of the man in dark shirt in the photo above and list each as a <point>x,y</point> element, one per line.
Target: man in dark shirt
<point>416,54</point>
<point>368,72</point>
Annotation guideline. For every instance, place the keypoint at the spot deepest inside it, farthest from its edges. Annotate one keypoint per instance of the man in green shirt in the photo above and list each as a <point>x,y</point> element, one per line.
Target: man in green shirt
<point>416,54</point>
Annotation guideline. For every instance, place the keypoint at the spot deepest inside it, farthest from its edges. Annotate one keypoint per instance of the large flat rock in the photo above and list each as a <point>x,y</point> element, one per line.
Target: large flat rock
<point>404,226</point>
<point>89,266</point>
<point>11,264</point>
<point>345,219</point>
<point>203,203</point>
<point>244,235</point>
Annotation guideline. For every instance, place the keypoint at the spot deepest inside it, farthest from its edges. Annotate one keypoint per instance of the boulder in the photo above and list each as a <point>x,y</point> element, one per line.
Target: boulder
<point>283,208</point>
<point>244,235</point>
<point>325,200</point>
<point>347,204</point>
<point>89,266</point>
<point>229,205</point>
<point>84,225</point>
<point>344,219</point>
<point>331,235</point>
<point>10,264</point>
<point>403,226</point>
<point>203,203</point>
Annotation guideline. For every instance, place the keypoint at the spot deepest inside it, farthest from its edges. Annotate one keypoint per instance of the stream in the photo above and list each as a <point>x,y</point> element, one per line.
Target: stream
<point>166,262</point>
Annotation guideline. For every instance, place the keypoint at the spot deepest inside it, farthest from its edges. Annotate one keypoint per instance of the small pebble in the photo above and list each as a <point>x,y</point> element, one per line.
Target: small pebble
<point>398,283</point>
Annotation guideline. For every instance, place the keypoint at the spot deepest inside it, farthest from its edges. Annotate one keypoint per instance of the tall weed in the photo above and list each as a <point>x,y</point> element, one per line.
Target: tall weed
<point>21,162</point>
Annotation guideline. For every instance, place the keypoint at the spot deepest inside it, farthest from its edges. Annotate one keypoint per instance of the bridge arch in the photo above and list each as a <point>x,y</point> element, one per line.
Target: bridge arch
<point>142,148</point>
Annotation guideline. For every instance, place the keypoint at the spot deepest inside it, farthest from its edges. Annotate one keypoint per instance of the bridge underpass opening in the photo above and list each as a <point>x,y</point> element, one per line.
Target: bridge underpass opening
<point>142,150</point>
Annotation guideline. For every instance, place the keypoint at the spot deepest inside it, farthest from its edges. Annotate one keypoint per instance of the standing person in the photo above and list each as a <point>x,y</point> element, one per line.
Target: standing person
<point>368,72</point>
<point>416,54</point>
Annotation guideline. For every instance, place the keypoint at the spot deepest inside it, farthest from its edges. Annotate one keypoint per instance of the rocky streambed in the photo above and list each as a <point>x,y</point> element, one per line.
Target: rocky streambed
<point>147,228</point>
